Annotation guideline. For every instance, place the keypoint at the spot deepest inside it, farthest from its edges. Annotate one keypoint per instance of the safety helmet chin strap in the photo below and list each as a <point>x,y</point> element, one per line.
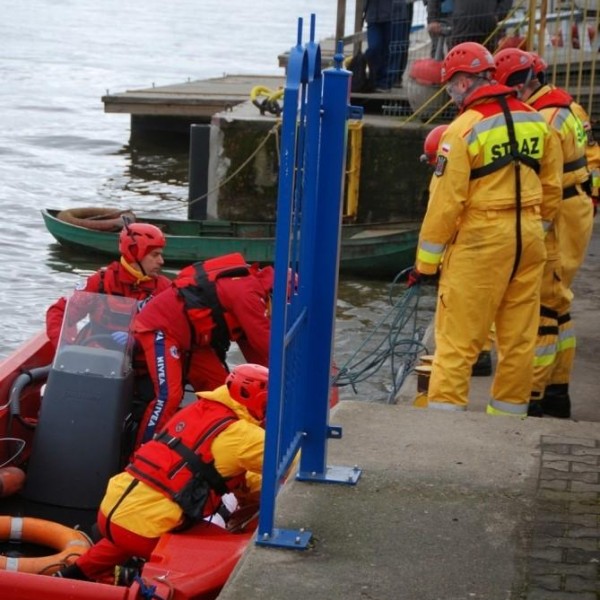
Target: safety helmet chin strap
<point>139,275</point>
<point>476,81</point>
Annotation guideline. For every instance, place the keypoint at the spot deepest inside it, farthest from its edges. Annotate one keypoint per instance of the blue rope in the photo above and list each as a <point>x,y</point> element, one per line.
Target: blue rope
<point>147,591</point>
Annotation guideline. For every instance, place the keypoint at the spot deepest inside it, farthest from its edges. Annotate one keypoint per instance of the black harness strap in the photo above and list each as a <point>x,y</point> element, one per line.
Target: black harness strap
<point>502,162</point>
<point>517,157</point>
<point>126,493</point>
<point>575,164</point>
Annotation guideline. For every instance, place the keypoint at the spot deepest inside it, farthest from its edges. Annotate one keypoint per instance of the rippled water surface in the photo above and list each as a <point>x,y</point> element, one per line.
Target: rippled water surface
<point>59,149</point>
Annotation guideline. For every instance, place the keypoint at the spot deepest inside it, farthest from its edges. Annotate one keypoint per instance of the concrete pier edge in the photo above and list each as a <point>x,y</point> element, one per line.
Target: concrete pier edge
<point>450,505</point>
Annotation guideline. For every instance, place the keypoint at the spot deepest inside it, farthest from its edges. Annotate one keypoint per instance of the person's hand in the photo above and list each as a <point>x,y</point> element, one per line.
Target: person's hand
<point>434,27</point>
<point>120,337</point>
<point>414,277</point>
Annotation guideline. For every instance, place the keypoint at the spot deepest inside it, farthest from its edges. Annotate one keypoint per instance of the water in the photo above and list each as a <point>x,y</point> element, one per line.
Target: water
<point>59,149</point>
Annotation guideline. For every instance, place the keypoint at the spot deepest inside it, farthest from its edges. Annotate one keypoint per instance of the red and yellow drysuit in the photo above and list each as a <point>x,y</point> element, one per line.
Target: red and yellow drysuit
<point>186,331</point>
<point>116,279</point>
<point>490,201</point>
<point>555,350</point>
<point>140,503</point>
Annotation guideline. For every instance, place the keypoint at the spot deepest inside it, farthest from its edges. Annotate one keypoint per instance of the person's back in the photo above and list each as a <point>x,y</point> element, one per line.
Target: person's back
<point>186,332</point>
<point>486,211</point>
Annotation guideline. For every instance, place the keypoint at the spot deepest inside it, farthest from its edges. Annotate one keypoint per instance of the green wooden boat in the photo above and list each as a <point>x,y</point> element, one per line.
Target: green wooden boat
<point>376,250</point>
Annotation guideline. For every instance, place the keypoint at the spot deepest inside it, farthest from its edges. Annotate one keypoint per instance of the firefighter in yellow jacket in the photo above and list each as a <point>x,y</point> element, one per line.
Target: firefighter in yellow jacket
<point>207,452</point>
<point>574,226</point>
<point>555,350</point>
<point>496,187</point>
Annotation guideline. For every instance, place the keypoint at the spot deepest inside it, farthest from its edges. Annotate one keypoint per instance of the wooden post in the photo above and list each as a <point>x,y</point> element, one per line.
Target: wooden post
<point>542,31</point>
<point>358,25</point>
<point>341,20</point>
<point>531,29</point>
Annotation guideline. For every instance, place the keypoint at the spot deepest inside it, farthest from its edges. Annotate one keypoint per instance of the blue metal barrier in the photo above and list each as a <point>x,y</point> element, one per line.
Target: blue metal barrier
<point>307,248</point>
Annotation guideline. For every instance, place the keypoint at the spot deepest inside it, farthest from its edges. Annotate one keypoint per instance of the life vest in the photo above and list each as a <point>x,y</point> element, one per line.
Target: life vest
<point>178,462</point>
<point>210,324</point>
<point>115,315</point>
<point>557,98</point>
<point>524,143</point>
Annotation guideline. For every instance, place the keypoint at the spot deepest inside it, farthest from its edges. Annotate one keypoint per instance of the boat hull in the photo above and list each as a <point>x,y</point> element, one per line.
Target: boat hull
<point>189,565</point>
<point>372,250</point>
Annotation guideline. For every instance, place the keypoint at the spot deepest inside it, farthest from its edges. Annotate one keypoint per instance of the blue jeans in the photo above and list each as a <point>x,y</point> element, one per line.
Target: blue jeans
<point>378,52</point>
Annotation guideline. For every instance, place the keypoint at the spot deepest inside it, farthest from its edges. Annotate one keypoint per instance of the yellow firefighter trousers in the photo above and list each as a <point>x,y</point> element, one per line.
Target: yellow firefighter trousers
<point>574,223</point>
<point>475,290</point>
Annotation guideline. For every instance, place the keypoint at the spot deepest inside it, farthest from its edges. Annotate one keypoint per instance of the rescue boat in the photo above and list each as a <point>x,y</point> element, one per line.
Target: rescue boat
<point>63,421</point>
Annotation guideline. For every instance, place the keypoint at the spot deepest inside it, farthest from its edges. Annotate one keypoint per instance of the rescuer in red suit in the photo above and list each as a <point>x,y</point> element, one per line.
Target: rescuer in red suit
<point>185,332</point>
<point>136,275</point>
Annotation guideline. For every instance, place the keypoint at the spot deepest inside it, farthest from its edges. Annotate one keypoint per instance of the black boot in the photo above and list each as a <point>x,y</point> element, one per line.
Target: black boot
<point>483,365</point>
<point>71,572</point>
<point>535,409</point>
<point>556,401</point>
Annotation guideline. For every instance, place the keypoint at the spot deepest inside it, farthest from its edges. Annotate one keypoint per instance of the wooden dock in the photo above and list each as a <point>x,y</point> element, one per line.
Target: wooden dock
<point>173,108</point>
<point>191,99</point>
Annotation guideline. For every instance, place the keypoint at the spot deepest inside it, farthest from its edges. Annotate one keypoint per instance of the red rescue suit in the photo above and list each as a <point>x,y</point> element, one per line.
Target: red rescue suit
<point>186,331</point>
<point>114,280</point>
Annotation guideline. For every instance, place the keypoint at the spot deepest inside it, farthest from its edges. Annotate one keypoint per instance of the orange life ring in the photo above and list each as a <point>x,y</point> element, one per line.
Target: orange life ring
<point>100,219</point>
<point>71,544</point>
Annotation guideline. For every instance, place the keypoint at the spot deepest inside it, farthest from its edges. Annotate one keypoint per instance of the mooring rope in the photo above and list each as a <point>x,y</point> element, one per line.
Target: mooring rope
<point>394,341</point>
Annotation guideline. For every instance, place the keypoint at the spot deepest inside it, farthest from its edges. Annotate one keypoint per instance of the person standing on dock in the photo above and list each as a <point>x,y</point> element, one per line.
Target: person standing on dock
<point>185,332</point>
<point>555,352</point>
<point>495,189</point>
<point>470,20</point>
<point>388,31</point>
<point>208,457</point>
<point>136,275</point>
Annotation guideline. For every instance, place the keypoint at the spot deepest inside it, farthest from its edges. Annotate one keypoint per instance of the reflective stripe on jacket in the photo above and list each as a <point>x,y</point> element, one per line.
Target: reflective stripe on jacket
<point>475,140</point>
<point>556,107</point>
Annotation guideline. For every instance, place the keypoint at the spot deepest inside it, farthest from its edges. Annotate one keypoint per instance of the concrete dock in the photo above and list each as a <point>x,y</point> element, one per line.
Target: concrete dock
<point>450,506</point>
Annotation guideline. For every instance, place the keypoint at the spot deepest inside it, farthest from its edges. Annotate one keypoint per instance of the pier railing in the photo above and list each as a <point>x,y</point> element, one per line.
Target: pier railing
<point>309,210</point>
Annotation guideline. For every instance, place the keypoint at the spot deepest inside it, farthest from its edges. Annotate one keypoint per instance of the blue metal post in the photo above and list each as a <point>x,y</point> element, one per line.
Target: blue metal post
<point>313,154</point>
<point>326,252</point>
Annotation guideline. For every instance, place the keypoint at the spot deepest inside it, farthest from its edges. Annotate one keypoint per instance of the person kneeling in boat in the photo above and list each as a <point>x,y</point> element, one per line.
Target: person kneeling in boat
<point>136,275</point>
<point>211,451</point>
<point>185,332</point>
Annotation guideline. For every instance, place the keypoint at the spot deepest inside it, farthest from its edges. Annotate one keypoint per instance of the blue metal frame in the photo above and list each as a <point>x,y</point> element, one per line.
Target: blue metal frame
<point>307,249</point>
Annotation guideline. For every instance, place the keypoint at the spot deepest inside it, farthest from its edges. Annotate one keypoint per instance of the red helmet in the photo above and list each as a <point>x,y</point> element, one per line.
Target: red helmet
<point>247,384</point>
<point>509,63</point>
<point>539,67</point>
<point>468,57</point>
<point>431,144</point>
<point>138,239</point>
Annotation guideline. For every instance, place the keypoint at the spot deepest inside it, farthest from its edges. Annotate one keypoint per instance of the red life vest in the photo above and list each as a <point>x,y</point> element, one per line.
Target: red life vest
<point>211,325</point>
<point>179,458</point>
<point>557,98</point>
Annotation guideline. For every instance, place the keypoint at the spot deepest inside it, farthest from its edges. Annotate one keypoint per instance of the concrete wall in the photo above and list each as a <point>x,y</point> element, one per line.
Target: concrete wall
<point>393,183</point>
